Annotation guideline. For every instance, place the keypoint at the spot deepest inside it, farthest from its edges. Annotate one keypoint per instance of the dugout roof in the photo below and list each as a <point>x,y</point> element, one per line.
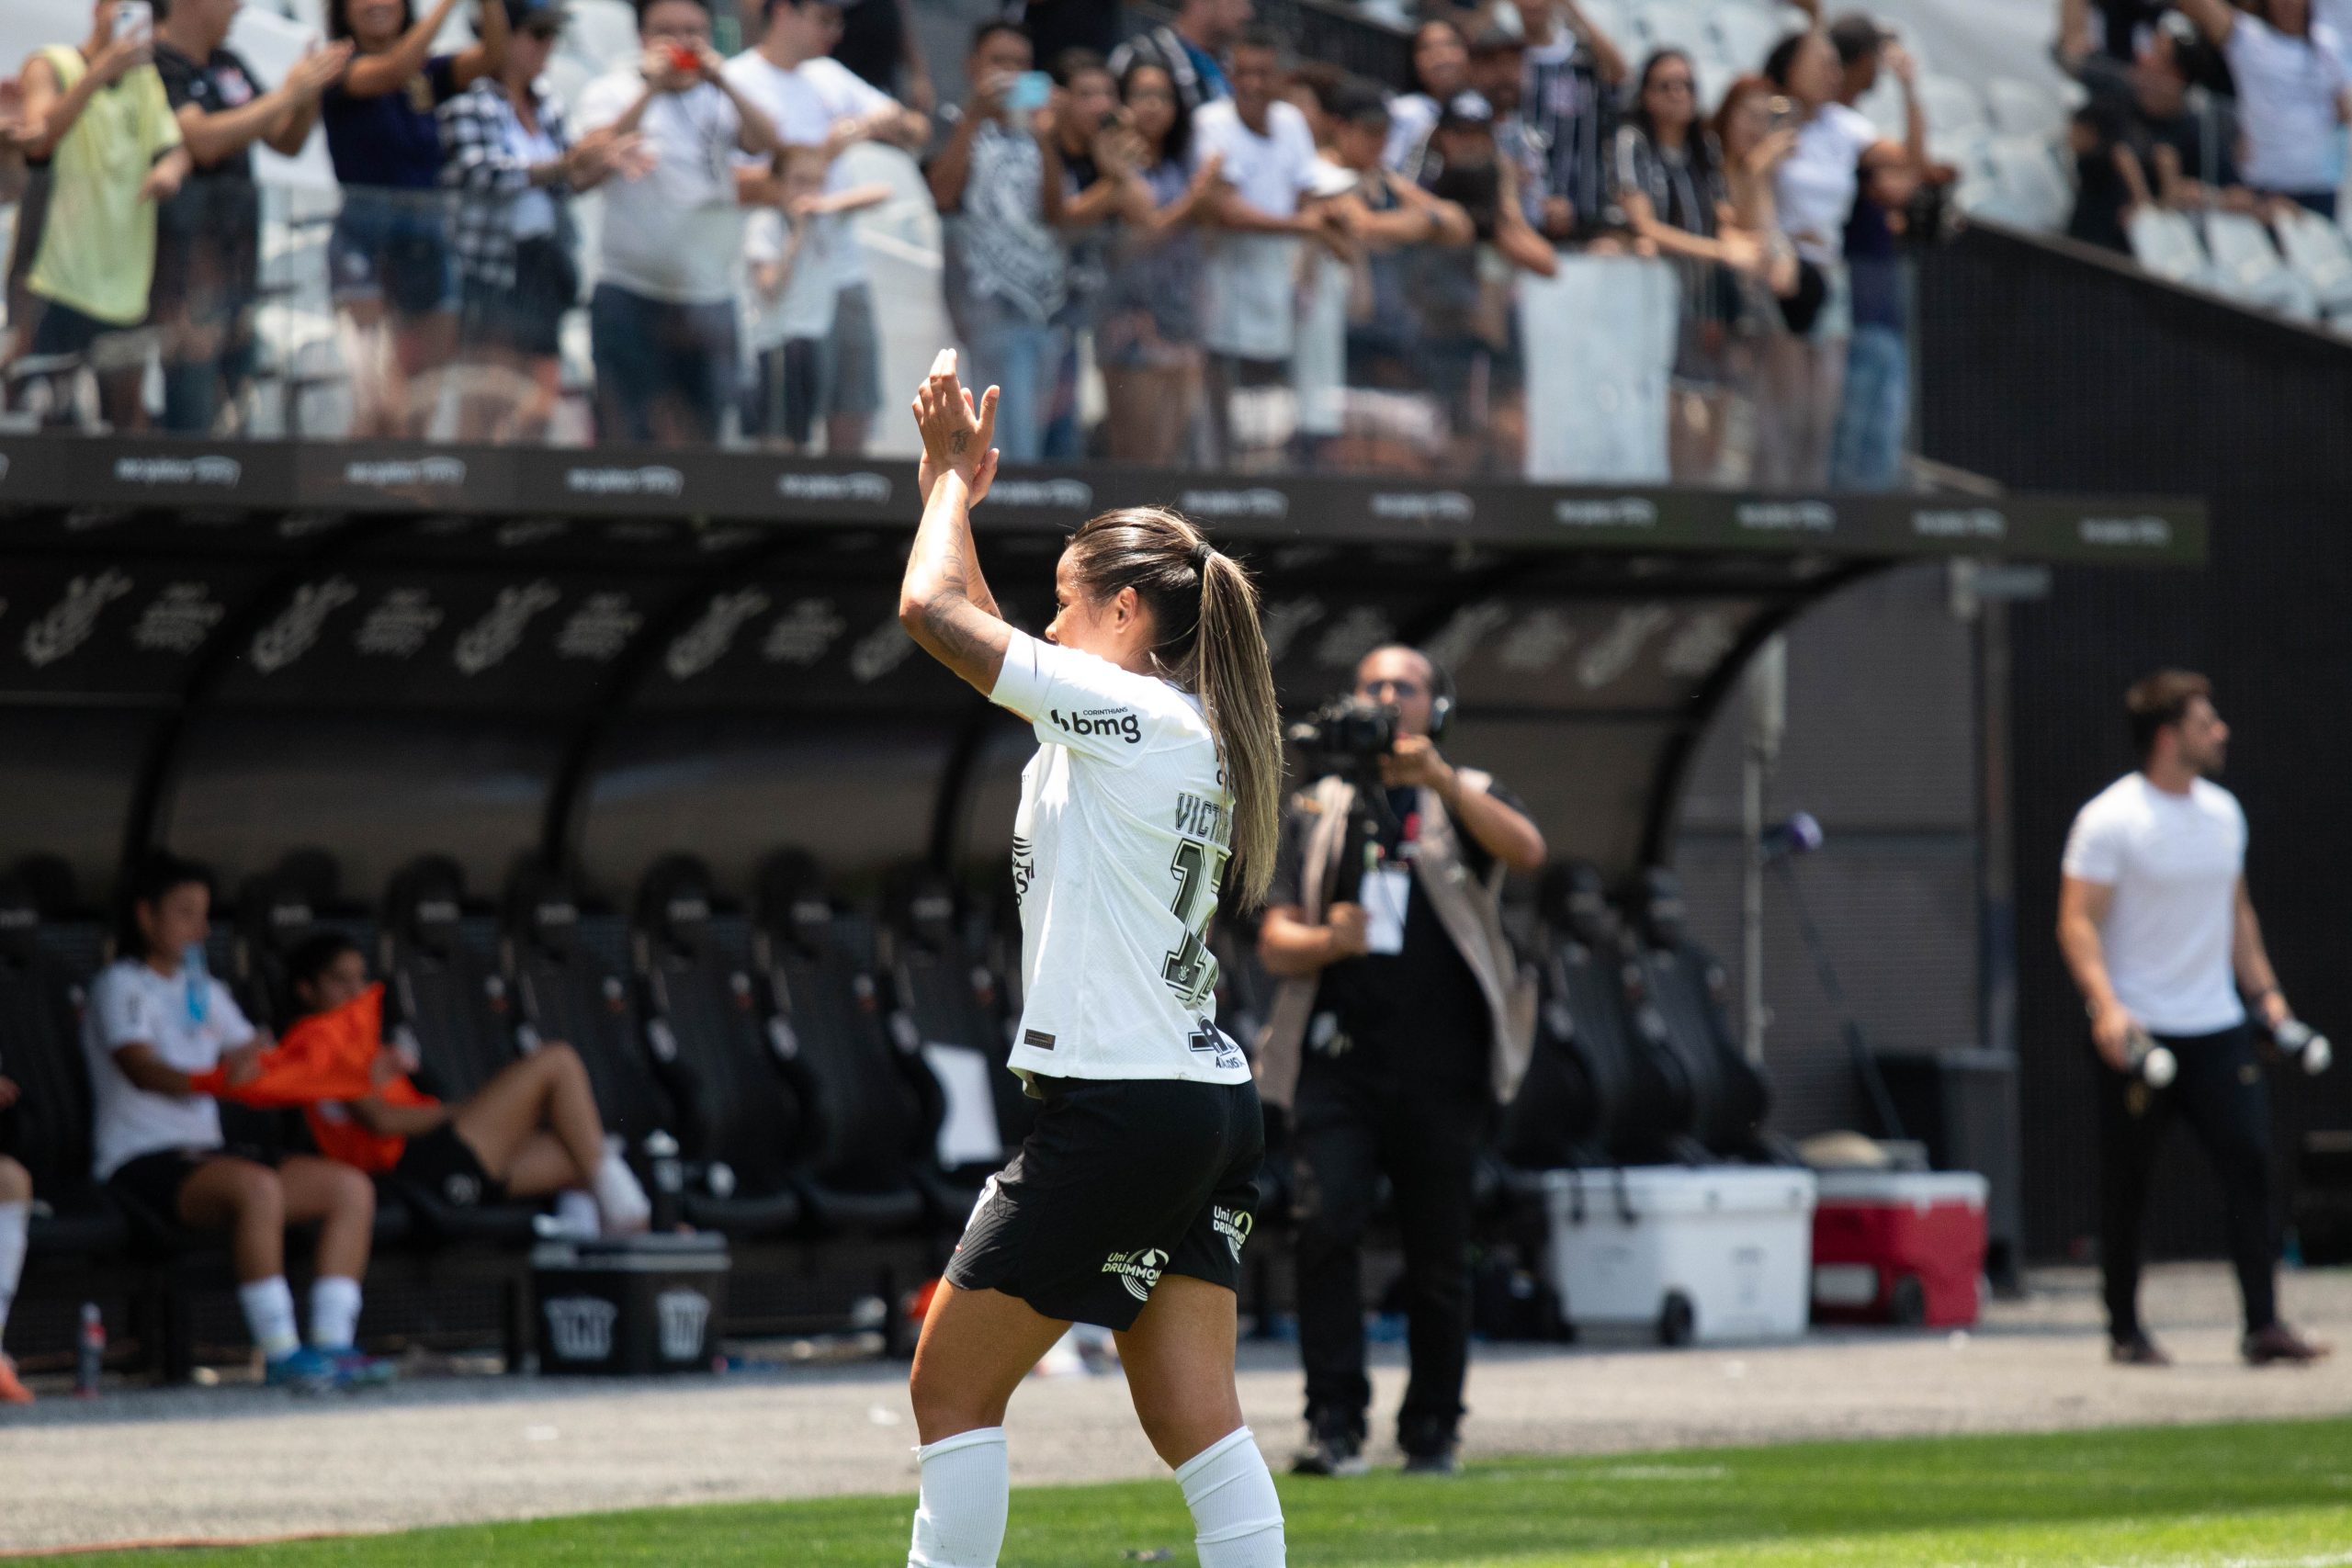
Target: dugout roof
<point>245,647</point>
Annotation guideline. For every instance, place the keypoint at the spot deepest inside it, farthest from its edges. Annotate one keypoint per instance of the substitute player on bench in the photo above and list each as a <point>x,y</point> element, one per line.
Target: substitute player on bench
<point>1160,765</point>
<point>2157,928</point>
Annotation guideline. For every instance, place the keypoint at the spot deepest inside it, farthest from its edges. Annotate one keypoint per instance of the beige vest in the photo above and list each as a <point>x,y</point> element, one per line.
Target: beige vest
<point>1470,912</point>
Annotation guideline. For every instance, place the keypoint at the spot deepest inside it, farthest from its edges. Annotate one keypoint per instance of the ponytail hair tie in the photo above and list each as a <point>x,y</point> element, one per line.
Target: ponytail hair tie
<point>1201,553</point>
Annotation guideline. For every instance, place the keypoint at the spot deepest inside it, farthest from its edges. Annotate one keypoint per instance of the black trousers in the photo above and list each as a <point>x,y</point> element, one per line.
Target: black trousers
<point>2223,1094</point>
<point>1345,1137</point>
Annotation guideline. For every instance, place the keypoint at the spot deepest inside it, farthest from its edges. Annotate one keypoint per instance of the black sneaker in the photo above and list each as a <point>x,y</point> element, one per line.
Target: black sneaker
<point>1444,1462</point>
<point>2279,1345</point>
<point>2137,1351</point>
<point>1330,1452</point>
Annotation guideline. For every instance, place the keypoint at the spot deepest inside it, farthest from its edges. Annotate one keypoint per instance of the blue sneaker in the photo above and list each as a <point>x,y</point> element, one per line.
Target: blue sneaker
<point>304,1372</point>
<point>354,1369</point>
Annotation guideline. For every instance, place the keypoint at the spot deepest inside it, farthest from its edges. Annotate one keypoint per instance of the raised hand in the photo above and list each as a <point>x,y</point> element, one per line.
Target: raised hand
<point>957,436</point>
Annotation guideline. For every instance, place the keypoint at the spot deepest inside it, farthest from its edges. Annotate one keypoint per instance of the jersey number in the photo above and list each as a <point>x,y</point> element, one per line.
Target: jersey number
<point>1190,969</point>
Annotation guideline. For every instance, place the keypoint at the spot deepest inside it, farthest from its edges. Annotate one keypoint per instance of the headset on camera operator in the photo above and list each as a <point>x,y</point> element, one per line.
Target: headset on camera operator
<point>1403,1016</point>
<point>2161,937</point>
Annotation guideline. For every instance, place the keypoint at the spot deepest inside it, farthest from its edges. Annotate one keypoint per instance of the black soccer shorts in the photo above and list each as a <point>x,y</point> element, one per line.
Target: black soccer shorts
<point>1120,1182</point>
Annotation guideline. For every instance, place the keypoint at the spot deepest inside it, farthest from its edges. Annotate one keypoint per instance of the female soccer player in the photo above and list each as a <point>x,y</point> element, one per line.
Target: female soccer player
<point>1159,766</point>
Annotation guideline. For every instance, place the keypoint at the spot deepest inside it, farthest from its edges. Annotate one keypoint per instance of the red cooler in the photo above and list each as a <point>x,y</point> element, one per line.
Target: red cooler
<point>1904,1247</point>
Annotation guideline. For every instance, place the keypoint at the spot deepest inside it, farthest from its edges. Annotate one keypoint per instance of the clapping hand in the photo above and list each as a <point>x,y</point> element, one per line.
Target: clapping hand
<point>957,436</point>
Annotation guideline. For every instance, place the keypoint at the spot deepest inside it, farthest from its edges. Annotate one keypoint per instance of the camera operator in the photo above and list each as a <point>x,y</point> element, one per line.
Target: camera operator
<point>1403,1014</point>
<point>2160,935</point>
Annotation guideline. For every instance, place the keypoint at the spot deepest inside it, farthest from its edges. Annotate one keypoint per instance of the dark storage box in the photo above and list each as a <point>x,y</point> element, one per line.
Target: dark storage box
<point>631,1306</point>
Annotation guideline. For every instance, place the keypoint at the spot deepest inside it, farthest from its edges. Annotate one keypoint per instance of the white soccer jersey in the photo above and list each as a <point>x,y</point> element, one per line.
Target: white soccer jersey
<point>1122,840</point>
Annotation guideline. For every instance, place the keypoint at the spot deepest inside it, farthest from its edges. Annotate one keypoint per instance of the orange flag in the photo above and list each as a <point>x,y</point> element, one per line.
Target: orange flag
<point>323,1060</point>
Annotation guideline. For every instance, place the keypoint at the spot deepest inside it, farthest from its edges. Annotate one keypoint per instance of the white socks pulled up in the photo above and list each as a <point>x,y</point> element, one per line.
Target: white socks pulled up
<point>960,1521</point>
<point>15,1220</point>
<point>620,1197</point>
<point>1234,1511</point>
<point>270,1317</point>
<point>334,1311</point>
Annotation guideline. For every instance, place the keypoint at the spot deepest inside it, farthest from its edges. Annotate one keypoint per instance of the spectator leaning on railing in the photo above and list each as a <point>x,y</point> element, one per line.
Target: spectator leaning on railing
<point>98,116</point>
<point>2294,94</point>
<point>814,100</point>
<point>1147,333</point>
<point>1006,274</point>
<point>1670,173</point>
<point>207,239</point>
<point>511,159</point>
<point>1090,164</point>
<point>1499,74</point>
<point>1261,211</point>
<point>1573,73</point>
<point>1190,49</point>
<point>1440,75</point>
<point>663,319</point>
<point>393,275</point>
<point>1469,349</point>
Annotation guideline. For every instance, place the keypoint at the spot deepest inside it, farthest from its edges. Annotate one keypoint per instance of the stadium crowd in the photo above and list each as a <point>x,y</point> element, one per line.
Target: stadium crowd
<point>1269,262</point>
<point>2204,105</point>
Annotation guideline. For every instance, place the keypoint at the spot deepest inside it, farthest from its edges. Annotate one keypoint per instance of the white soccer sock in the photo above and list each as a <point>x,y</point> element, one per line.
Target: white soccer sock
<point>619,1196</point>
<point>959,1523</point>
<point>269,1315</point>
<point>1236,1516</point>
<point>15,1219</point>
<point>334,1311</point>
<point>576,1215</point>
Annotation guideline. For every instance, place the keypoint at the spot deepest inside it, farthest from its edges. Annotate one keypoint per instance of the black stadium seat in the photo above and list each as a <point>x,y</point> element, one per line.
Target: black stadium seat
<point>41,1048</point>
<point>1686,1026</point>
<point>867,1135</point>
<point>738,1115</point>
<point>570,992</point>
<point>447,1002</point>
<point>1634,1112</point>
<point>948,995</point>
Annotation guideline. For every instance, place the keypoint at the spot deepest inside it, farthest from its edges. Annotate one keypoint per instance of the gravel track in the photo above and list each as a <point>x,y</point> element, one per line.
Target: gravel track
<point>241,1464</point>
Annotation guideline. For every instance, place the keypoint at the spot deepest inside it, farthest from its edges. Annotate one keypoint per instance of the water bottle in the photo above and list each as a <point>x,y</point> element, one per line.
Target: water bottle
<point>2149,1061</point>
<point>198,980</point>
<point>669,1173</point>
<point>89,1352</point>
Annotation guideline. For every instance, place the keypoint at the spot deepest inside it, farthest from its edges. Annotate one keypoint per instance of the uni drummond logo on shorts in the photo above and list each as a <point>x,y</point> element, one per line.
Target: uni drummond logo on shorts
<point>1234,1224</point>
<point>1138,1271</point>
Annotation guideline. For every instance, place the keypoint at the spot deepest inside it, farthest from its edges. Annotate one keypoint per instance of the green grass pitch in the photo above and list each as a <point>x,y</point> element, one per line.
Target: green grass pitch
<point>2258,1496</point>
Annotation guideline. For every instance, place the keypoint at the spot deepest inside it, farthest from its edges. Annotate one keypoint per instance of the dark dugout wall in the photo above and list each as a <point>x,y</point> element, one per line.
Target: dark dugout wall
<point>2046,367</point>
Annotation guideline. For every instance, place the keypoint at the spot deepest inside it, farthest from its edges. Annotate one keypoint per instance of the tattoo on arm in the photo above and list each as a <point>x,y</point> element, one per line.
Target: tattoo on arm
<point>958,444</point>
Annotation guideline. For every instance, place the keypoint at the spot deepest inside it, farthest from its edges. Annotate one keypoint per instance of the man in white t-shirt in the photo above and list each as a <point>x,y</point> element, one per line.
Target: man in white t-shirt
<point>2158,929</point>
<point>815,100</point>
<point>2293,92</point>
<point>663,319</point>
<point>1263,211</point>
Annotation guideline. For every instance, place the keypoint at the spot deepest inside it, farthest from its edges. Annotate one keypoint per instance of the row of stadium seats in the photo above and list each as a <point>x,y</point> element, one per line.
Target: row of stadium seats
<point>799,1072</point>
<point>1635,1061</point>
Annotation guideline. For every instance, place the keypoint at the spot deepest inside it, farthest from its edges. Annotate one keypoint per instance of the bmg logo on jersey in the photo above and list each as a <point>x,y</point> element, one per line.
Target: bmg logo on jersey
<point>1138,1271</point>
<point>1121,722</point>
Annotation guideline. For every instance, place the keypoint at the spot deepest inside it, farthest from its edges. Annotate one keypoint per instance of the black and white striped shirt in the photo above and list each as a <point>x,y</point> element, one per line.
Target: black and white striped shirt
<point>1568,111</point>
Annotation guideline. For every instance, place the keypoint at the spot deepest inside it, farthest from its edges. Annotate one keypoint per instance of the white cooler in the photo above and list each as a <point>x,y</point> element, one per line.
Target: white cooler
<point>1715,1253</point>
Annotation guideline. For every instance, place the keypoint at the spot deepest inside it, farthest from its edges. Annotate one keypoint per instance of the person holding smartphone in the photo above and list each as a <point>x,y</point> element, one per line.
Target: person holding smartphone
<point>1008,276</point>
<point>663,318</point>
<point>98,116</point>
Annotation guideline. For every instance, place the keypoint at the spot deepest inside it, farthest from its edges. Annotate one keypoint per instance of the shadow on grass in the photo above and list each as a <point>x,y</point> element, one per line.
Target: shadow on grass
<point>1544,1510</point>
